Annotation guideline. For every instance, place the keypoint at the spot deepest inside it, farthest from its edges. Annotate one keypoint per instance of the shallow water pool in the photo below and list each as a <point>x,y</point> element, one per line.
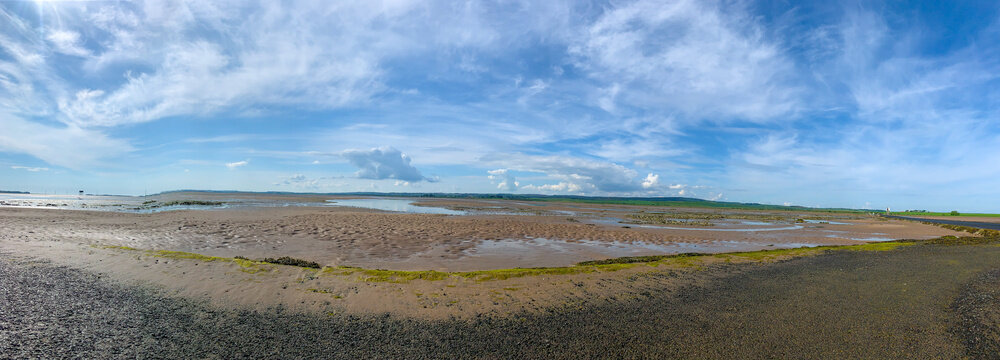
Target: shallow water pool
<point>397,205</point>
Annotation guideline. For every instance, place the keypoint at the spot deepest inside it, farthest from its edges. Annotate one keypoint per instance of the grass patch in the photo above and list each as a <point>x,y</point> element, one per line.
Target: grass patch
<point>986,233</point>
<point>964,240</point>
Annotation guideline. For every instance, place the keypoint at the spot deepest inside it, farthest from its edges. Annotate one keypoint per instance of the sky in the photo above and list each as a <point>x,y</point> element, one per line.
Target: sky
<point>859,104</point>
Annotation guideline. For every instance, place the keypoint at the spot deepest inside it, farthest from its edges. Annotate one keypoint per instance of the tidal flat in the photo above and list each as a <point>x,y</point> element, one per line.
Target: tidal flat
<point>500,280</point>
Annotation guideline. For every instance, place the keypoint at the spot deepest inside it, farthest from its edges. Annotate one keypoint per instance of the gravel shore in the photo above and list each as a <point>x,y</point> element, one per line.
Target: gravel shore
<point>978,311</point>
<point>845,304</point>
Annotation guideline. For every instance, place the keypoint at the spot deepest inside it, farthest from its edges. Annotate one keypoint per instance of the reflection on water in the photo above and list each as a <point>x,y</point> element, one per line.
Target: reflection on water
<point>393,205</point>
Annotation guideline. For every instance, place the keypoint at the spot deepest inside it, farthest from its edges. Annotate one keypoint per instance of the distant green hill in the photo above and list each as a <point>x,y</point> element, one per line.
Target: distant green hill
<point>614,200</point>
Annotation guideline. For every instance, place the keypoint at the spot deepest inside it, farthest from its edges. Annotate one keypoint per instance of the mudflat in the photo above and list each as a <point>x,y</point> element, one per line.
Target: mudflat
<point>492,234</point>
<point>502,279</point>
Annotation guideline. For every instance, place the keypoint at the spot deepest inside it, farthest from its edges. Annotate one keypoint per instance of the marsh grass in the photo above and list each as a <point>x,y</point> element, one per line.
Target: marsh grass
<point>290,261</point>
<point>663,219</point>
<point>246,265</point>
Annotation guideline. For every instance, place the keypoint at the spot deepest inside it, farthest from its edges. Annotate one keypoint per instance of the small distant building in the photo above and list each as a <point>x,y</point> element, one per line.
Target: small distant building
<point>81,192</point>
<point>887,212</point>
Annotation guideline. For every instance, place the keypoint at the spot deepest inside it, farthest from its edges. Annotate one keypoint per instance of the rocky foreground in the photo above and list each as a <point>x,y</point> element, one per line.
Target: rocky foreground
<point>920,301</point>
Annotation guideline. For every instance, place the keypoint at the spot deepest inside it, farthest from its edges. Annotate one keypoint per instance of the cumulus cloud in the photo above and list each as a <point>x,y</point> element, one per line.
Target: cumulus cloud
<point>383,163</point>
<point>234,165</point>
<point>504,179</point>
<point>651,180</point>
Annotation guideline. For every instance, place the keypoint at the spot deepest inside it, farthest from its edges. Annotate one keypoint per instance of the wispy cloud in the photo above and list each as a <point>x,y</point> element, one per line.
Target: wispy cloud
<point>688,56</point>
<point>237,164</point>
<point>67,42</point>
<point>67,146</point>
<point>27,168</point>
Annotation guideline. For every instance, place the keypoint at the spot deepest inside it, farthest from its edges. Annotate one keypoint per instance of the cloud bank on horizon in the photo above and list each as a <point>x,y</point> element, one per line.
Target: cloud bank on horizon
<point>840,104</point>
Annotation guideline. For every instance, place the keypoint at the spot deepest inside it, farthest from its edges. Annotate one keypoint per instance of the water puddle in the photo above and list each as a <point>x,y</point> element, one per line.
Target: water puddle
<point>396,205</point>
<point>613,221</point>
<point>860,238</point>
<point>752,222</point>
<point>825,222</point>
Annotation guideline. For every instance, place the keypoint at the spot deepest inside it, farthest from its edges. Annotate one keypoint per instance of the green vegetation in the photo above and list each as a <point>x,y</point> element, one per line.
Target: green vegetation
<point>153,204</point>
<point>285,260</point>
<point>246,265</point>
<point>762,255</point>
<point>964,240</point>
<point>954,213</point>
<point>987,233</point>
<point>662,219</point>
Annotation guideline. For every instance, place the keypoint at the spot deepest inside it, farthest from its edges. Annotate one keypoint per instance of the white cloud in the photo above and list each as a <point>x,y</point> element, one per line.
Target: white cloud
<point>234,165</point>
<point>67,42</point>
<point>912,114</point>
<point>504,179</point>
<point>560,187</point>
<point>576,174</point>
<point>651,180</point>
<point>67,146</point>
<point>300,181</point>
<point>688,56</point>
<point>31,169</point>
<point>307,54</point>
<point>383,163</point>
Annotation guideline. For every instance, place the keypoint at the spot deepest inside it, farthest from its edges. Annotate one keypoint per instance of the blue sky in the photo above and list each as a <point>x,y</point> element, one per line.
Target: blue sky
<point>847,104</point>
